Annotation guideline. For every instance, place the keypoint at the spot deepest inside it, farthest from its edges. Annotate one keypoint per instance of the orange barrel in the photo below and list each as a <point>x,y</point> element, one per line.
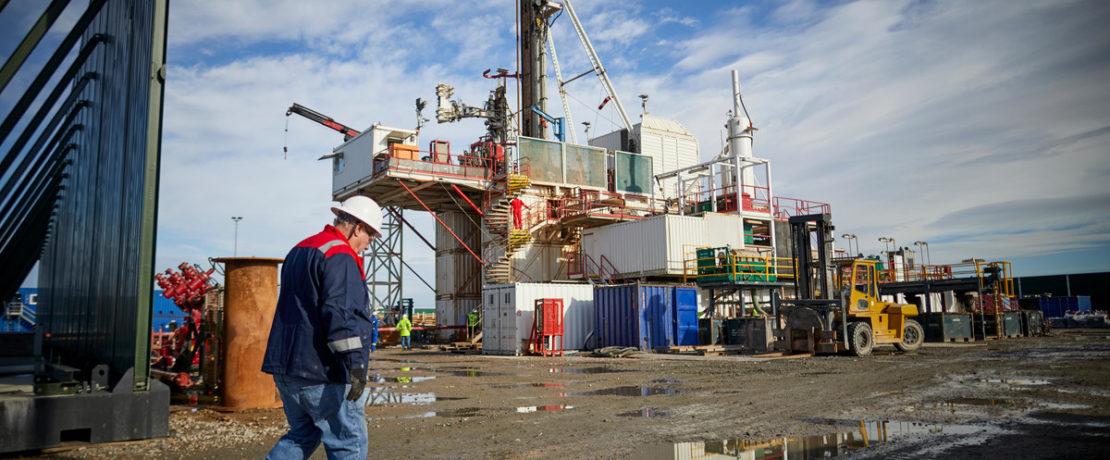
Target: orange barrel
<point>250,300</point>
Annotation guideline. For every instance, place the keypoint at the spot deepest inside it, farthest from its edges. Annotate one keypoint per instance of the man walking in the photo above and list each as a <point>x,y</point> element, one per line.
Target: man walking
<point>404,327</point>
<point>320,338</point>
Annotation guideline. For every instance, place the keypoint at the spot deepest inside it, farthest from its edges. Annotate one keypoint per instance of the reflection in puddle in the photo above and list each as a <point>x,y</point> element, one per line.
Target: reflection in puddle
<point>507,386</point>
<point>583,370</point>
<point>629,391</point>
<point>527,409</point>
<point>647,412</point>
<point>384,397</point>
<point>825,446</point>
<point>1020,381</point>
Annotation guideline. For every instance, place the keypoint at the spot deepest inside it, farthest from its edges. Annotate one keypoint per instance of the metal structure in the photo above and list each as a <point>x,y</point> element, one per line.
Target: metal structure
<point>82,201</point>
<point>384,266</point>
<point>599,70</point>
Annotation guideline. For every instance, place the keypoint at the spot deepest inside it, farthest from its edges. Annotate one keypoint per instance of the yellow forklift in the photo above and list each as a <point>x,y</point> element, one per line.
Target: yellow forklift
<point>837,307</point>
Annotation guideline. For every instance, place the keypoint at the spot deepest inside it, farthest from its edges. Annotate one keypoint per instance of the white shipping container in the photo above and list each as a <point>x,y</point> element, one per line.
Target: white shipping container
<point>509,310</point>
<point>353,161</point>
<point>660,245</point>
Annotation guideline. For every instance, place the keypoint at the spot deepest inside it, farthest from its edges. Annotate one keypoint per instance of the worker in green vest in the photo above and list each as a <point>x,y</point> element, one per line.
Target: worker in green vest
<point>404,327</point>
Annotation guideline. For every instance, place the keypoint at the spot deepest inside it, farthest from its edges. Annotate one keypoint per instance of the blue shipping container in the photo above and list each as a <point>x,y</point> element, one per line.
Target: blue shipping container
<point>1083,303</point>
<point>1058,306</point>
<point>645,316</point>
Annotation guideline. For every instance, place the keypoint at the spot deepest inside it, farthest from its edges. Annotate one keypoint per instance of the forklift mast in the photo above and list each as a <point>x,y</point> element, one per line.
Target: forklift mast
<point>811,234</point>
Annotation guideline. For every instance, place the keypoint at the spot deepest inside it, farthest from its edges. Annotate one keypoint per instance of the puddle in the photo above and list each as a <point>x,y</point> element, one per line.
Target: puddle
<point>385,397</point>
<point>413,379</point>
<point>527,409</point>
<point>583,370</point>
<point>509,386</point>
<point>1031,382</point>
<point>628,391</point>
<point>465,412</point>
<point>647,412</point>
<point>834,444</point>
<point>666,381</point>
<point>979,402</point>
<point>1062,406</point>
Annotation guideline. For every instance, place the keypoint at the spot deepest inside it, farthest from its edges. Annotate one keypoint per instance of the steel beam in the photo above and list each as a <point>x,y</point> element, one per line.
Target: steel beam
<point>30,41</point>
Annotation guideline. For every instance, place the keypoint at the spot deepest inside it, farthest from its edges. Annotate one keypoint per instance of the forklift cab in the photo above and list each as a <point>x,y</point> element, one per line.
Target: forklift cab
<point>856,278</point>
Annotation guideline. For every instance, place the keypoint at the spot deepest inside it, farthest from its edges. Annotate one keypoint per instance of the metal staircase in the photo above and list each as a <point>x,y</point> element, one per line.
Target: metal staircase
<point>508,240</point>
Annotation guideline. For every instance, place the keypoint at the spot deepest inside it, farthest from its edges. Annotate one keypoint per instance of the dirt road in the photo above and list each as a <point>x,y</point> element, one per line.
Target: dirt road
<point>1044,397</point>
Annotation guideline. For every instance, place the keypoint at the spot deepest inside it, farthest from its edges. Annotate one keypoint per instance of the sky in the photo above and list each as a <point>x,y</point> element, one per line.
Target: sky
<point>982,128</point>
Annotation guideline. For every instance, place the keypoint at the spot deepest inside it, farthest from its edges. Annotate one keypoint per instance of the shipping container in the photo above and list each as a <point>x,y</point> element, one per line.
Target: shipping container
<point>1057,306</point>
<point>660,245</point>
<point>508,312</point>
<point>645,316</point>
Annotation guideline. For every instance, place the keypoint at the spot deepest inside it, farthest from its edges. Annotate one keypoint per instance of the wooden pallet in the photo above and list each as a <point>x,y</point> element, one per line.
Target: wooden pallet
<point>461,347</point>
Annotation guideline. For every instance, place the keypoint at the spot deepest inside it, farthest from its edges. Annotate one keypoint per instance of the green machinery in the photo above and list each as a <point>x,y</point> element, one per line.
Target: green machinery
<point>724,264</point>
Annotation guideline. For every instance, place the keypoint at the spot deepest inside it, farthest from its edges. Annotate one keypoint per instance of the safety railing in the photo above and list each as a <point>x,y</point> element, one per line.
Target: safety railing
<point>724,265</point>
<point>401,158</point>
<point>583,203</point>
<point>785,207</point>
<point>889,273</point>
<point>582,265</point>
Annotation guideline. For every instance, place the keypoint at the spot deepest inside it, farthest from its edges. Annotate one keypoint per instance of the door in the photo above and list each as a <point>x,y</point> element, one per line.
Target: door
<point>509,319</point>
<point>491,320</point>
<point>686,316</point>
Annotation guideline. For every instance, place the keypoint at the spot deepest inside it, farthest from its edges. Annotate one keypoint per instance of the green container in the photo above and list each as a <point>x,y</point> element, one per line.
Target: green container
<point>749,229</point>
<point>1011,322</point>
<point>947,327</point>
<point>707,260</point>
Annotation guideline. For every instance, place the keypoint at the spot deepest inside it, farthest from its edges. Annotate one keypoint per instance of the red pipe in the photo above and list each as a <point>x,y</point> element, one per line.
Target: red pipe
<point>407,189</point>
<point>468,200</point>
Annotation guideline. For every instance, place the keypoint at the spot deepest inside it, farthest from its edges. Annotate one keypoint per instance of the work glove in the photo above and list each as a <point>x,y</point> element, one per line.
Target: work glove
<point>358,383</point>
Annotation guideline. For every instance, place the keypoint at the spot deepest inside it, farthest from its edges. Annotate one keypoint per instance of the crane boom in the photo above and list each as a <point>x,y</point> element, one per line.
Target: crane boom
<point>322,119</point>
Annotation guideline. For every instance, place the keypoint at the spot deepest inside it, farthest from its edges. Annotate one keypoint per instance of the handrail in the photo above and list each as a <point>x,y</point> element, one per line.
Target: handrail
<point>613,268</point>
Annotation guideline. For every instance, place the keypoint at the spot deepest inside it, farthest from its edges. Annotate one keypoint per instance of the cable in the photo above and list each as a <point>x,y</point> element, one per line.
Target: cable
<point>285,142</point>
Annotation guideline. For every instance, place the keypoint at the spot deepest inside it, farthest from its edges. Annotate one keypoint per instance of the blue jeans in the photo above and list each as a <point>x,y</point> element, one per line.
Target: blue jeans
<point>406,342</point>
<point>319,412</point>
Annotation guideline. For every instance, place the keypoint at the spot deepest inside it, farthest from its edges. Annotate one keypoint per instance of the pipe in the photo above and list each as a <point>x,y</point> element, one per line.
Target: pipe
<point>250,300</point>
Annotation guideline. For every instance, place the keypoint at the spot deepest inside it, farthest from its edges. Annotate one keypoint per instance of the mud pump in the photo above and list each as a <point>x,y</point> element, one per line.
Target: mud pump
<point>837,306</point>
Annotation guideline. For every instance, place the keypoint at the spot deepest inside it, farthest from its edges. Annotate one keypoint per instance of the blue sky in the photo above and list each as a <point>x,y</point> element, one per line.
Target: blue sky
<point>981,127</point>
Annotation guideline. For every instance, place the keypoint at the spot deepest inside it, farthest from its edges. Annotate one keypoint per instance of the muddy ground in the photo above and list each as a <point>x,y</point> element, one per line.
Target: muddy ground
<point>1043,397</point>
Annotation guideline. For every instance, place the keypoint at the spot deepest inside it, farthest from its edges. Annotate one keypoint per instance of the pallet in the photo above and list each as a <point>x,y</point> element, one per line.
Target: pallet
<point>704,350</point>
<point>781,355</point>
<point>461,347</point>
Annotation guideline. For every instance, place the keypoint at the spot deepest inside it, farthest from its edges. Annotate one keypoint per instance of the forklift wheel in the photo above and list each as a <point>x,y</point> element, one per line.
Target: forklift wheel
<point>912,336</point>
<point>860,339</point>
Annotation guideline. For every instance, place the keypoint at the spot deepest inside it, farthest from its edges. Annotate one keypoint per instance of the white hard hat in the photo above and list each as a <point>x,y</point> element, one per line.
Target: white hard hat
<point>364,209</point>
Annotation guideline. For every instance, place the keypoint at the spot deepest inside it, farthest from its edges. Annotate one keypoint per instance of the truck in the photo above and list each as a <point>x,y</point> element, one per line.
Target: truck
<point>837,307</point>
